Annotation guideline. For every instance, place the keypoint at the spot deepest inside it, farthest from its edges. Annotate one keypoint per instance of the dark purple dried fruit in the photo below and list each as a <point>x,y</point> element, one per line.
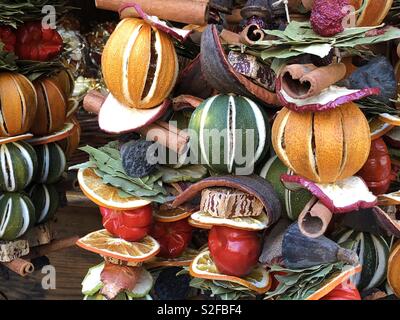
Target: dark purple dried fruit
<point>327,17</point>
<point>378,73</point>
<point>136,160</point>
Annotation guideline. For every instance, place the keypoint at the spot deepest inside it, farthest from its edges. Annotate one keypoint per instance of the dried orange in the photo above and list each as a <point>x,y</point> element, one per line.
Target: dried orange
<point>204,267</point>
<point>378,128</point>
<point>172,214</point>
<point>390,119</point>
<point>393,273</point>
<point>105,195</point>
<point>105,244</point>
<point>183,260</point>
<point>334,281</point>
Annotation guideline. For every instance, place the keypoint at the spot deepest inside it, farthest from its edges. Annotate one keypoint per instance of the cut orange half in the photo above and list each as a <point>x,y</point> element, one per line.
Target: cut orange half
<point>16,138</point>
<point>390,119</point>
<point>204,267</point>
<point>334,281</point>
<point>163,214</point>
<point>65,132</point>
<point>105,195</point>
<point>378,128</point>
<point>105,244</point>
<point>184,260</point>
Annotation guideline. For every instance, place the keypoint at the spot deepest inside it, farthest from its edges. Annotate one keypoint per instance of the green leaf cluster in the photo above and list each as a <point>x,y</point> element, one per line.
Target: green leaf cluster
<point>107,164</point>
<point>300,284</point>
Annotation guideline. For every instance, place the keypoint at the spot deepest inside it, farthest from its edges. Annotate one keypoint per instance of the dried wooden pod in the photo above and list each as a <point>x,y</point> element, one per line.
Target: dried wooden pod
<point>52,107</point>
<point>220,74</point>
<point>335,144</point>
<point>18,104</point>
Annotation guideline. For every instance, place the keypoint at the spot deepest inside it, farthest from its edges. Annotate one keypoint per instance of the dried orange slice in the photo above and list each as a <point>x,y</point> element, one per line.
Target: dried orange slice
<point>204,267</point>
<point>393,273</point>
<point>390,119</point>
<point>163,214</point>
<point>378,128</point>
<point>374,12</point>
<point>105,244</point>
<point>184,260</point>
<point>104,195</point>
<point>16,138</point>
<point>63,133</point>
<point>334,281</point>
<point>245,223</point>
<point>199,225</point>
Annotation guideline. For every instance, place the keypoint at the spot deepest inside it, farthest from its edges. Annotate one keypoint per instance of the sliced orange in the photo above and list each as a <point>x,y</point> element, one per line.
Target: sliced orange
<point>16,138</point>
<point>184,260</point>
<point>390,199</point>
<point>105,244</point>
<point>163,214</point>
<point>334,281</point>
<point>63,133</point>
<point>105,195</point>
<point>393,273</point>
<point>199,225</point>
<point>204,267</point>
<point>390,119</point>
<point>378,128</point>
<point>245,223</point>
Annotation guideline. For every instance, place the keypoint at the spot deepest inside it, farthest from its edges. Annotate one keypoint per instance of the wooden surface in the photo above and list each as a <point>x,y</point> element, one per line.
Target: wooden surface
<point>70,264</point>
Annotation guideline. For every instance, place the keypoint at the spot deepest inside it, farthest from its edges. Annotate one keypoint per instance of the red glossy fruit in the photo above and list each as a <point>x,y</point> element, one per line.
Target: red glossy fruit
<point>234,251</point>
<point>8,38</point>
<point>377,170</point>
<point>344,291</point>
<point>173,237</point>
<point>37,43</point>
<point>130,225</point>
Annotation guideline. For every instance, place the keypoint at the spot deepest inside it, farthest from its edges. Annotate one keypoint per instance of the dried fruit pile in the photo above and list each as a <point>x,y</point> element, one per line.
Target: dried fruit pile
<point>267,166</point>
<point>38,131</point>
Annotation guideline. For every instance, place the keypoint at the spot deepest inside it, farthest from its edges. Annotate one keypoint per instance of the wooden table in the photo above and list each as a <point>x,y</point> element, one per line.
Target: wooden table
<point>70,264</point>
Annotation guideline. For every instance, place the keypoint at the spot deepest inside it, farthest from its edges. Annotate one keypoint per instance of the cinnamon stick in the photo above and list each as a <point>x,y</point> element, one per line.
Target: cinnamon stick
<point>78,199</point>
<point>302,81</point>
<point>251,34</point>
<point>20,266</point>
<point>314,219</point>
<point>184,11</point>
<point>55,245</point>
<point>164,133</point>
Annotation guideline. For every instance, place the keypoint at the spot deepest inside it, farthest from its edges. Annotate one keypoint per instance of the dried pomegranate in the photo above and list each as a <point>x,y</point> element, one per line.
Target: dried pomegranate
<point>327,16</point>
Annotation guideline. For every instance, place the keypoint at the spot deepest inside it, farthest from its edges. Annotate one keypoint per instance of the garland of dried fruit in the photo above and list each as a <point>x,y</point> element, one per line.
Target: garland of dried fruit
<point>38,132</point>
<point>331,95</point>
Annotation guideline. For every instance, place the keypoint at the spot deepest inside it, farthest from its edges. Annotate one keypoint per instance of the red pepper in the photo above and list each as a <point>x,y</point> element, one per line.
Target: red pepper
<point>234,251</point>
<point>377,170</point>
<point>173,237</point>
<point>7,36</point>
<point>36,43</point>
<point>344,291</point>
<point>131,225</point>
